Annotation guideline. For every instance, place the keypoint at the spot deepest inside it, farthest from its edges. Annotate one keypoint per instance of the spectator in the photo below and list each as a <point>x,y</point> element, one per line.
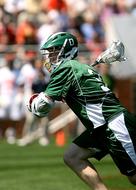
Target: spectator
<point>49,25</point>
<point>37,128</point>
<point>48,5</point>
<point>26,32</point>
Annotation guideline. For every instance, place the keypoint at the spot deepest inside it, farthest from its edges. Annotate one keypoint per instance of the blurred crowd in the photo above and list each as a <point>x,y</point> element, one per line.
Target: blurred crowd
<point>24,26</point>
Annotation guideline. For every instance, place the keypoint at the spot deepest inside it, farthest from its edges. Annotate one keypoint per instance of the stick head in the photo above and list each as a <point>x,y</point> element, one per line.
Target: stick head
<point>114,53</point>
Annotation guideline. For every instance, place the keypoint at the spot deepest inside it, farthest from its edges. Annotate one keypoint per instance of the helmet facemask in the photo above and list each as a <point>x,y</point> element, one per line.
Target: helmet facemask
<point>50,58</point>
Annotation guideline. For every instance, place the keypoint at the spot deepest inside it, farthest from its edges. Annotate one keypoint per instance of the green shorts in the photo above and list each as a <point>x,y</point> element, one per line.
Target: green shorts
<point>117,138</point>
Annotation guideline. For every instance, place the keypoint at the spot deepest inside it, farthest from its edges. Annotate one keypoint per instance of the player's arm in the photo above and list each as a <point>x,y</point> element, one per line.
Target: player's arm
<point>56,90</point>
<point>40,104</point>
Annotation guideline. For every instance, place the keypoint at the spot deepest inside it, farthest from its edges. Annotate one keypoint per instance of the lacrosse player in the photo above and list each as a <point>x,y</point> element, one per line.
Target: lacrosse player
<point>110,128</point>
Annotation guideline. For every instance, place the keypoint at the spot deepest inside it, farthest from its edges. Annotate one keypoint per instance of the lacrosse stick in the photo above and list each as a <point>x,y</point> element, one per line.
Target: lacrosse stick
<point>114,53</point>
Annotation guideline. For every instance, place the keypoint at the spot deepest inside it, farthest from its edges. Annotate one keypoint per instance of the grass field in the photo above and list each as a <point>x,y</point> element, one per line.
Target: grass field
<point>42,168</point>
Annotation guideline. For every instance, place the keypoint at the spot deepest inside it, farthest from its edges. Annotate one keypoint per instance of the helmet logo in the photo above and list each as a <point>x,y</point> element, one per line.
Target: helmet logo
<point>71,42</point>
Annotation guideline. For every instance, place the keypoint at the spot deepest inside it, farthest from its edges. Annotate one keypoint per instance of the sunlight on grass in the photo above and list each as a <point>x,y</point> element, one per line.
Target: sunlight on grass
<point>38,168</point>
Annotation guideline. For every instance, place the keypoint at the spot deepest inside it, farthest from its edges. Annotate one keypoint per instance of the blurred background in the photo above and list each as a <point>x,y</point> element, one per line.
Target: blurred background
<point>24,25</point>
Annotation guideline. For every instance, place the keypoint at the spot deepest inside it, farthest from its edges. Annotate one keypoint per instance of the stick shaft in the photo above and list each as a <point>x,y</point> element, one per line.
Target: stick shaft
<point>95,63</point>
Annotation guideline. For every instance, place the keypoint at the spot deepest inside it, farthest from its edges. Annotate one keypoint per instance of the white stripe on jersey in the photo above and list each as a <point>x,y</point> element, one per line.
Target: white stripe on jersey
<point>117,125</point>
<point>94,112</point>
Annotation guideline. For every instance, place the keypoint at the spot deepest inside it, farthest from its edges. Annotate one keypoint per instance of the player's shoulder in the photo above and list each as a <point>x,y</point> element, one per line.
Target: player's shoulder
<point>63,69</point>
<point>66,65</point>
<point>70,63</point>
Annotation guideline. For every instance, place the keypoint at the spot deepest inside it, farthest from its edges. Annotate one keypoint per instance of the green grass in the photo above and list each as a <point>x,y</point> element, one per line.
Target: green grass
<point>42,168</point>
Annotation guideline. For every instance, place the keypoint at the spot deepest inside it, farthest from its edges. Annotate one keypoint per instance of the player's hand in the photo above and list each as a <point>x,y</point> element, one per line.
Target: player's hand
<point>40,104</point>
<point>29,105</point>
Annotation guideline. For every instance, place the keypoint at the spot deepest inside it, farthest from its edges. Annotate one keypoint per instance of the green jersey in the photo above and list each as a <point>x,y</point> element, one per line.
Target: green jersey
<point>83,89</point>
